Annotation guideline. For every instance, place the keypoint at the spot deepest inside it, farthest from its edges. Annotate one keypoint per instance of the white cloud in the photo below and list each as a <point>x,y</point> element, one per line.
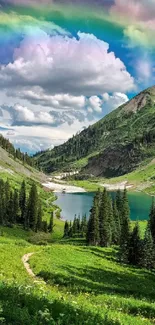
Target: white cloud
<point>94,104</point>
<point>111,102</point>
<point>24,116</point>
<point>58,80</point>
<point>59,101</point>
<point>66,66</point>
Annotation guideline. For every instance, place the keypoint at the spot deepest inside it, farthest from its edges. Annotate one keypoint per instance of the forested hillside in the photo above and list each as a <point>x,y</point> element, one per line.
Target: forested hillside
<point>13,168</point>
<point>115,145</point>
<point>16,153</point>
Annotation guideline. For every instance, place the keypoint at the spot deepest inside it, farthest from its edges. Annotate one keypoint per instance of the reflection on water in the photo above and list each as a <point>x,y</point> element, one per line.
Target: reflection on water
<point>80,204</point>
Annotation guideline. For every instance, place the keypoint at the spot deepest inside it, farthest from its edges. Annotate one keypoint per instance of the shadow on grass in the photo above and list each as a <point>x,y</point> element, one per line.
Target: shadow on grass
<point>19,306</point>
<point>109,255</point>
<point>96,281</point>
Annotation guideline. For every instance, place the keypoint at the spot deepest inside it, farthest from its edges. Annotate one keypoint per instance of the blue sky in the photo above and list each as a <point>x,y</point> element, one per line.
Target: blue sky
<point>66,64</point>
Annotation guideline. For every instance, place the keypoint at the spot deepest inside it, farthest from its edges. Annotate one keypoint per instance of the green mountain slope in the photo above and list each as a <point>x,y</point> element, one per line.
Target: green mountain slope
<point>114,146</point>
<point>16,170</point>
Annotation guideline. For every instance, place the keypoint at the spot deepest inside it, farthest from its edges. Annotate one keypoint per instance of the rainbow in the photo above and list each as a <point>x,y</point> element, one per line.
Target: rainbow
<point>103,18</point>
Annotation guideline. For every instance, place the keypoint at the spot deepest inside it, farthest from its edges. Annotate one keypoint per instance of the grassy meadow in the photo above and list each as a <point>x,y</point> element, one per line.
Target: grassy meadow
<point>84,285</point>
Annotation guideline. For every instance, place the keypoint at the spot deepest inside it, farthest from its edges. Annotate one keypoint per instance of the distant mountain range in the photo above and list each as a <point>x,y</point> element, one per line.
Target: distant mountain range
<point>114,146</point>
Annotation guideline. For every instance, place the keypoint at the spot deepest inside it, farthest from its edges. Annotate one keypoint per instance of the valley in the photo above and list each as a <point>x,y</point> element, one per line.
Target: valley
<point>49,278</point>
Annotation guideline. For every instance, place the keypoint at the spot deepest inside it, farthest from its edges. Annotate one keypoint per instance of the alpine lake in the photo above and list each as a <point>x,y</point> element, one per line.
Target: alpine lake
<point>79,204</point>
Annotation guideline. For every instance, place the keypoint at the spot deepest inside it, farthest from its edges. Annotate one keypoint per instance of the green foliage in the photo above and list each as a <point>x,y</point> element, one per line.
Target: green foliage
<point>148,250</point>
<point>93,231</point>
<point>135,246</point>
<point>110,147</point>
<point>16,153</point>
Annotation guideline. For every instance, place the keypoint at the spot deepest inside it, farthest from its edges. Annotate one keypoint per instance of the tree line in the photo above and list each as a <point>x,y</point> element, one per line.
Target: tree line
<point>22,207</point>
<point>77,228</point>
<point>109,224</point>
<point>16,153</point>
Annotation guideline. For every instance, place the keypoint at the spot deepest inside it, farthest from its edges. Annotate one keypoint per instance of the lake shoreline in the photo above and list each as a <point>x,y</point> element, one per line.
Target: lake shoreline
<point>63,187</point>
<point>59,186</point>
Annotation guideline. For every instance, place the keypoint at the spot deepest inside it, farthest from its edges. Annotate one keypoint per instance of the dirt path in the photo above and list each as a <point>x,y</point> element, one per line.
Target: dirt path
<point>25,260</point>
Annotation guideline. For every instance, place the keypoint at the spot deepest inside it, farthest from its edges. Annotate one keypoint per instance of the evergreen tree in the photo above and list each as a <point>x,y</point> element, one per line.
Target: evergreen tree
<point>6,200</point>
<point>51,224</point>
<point>125,228</point>
<point>10,209</point>
<point>32,211</point>
<point>22,202</point>
<point>45,226</point>
<point>134,254</point>
<point>152,220</point>
<point>70,234</point>
<point>104,226</point>
<point>78,222</point>
<point>117,226</point>
<point>93,236</point>
<point>84,226</point>
<point>119,203</point>
<point>39,217</point>
<point>2,202</point>
<point>66,229</point>
<point>75,226</point>
<point>15,206</point>
<point>148,252</point>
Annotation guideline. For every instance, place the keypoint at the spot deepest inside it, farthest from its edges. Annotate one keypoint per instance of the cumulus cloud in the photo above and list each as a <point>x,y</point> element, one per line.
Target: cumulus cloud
<point>21,115</point>
<point>60,101</point>
<point>111,102</point>
<point>82,66</point>
<point>95,104</point>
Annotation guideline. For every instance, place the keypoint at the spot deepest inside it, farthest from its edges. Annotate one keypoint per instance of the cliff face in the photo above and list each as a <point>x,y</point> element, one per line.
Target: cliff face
<point>114,146</point>
<point>114,161</point>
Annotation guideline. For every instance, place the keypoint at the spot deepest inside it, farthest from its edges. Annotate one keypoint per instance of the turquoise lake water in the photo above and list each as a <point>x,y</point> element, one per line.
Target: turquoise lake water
<point>80,204</point>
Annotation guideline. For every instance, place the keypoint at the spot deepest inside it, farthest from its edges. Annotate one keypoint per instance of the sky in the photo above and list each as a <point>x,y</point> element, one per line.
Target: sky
<point>66,64</point>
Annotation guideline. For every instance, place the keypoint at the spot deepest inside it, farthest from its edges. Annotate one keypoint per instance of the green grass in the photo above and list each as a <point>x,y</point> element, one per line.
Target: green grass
<point>91,279</point>
<point>143,177</point>
<point>88,185</point>
<point>84,285</point>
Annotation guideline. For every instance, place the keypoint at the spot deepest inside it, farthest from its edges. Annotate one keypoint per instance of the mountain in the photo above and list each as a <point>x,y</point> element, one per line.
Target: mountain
<point>114,146</point>
<point>15,165</point>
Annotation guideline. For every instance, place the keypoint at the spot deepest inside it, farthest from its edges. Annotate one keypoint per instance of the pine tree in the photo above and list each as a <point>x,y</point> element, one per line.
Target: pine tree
<point>22,202</point>
<point>93,236</point>
<point>117,226</point>
<point>39,217</point>
<point>51,224</point>
<point>32,211</point>
<point>15,206</point>
<point>84,226</point>
<point>104,226</point>
<point>66,229</point>
<point>45,226</point>
<point>148,252</point>
<point>75,227</point>
<point>78,221</point>
<point>119,203</point>
<point>125,228</point>
<point>152,220</point>
<point>10,209</point>
<point>70,234</point>
<point>6,201</point>
<point>2,202</point>
<point>134,254</point>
